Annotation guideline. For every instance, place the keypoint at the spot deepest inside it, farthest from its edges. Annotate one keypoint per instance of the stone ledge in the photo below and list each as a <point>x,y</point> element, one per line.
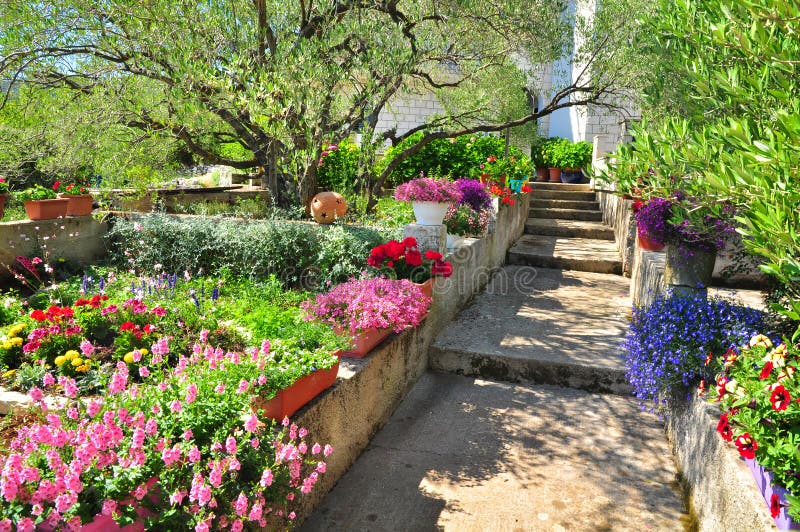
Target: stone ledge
<point>720,487</point>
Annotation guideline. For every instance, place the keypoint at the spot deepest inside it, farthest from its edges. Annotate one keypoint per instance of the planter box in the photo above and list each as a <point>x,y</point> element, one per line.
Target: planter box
<point>291,399</point>
<point>80,205</point>
<point>764,482</point>
<point>365,341</point>
<point>46,209</point>
<point>427,287</point>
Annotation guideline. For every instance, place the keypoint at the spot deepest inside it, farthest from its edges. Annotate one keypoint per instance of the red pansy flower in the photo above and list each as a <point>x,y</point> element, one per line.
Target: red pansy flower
<point>746,446</point>
<point>724,428</point>
<point>780,398</point>
<point>766,370</point>
<point>775,505</point>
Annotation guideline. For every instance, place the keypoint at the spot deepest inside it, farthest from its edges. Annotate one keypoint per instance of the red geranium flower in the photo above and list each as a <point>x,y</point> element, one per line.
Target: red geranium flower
<point>433,255</point>
<point>775,505</point>
<point>394,249</point>
<point>38,315</point>
<point>409,242</point>
<point>413,257</point>
<point>445,269</point>
<point>746,446</point>
<point>127,326</point>
<point>724,428</point>
<point>780,398</point>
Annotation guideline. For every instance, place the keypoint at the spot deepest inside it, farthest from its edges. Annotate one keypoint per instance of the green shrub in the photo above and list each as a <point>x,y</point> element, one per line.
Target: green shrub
<point>299,254</point>
<point>339,167</point>
<point>459,157</point>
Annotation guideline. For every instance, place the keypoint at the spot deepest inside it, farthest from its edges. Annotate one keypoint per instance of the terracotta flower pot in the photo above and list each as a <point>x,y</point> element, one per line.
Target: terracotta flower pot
<point>541,175</point>
<point>291,399</point>
<point>427,286</point>
<point>46,209</point>
<point>365,341</point>
<point>3,198</point>
<point>555,175</point>
<point>649,244</point>
<point>80,205</point>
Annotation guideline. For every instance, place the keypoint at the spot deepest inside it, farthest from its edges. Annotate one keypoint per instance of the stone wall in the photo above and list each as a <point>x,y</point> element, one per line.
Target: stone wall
<point>79,239</point>
<point>168,200</point>
<point>368,390</point>
<point>618,213</point>
<point>721,489</point>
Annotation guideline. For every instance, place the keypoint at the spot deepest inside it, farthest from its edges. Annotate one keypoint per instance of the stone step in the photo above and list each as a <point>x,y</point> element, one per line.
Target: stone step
<point>543,326</point>
<point>537,203</point>
<point>568,228</point>
<point>564,195</point>
<point>561,186</point>
<point>567,214</point>
<point>581,254</point>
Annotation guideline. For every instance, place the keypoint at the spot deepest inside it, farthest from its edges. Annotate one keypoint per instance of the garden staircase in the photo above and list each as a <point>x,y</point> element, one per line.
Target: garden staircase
<point>565,231</point>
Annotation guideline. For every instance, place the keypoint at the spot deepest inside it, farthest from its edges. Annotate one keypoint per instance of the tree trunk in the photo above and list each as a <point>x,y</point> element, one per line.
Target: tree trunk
<point>307,186</point>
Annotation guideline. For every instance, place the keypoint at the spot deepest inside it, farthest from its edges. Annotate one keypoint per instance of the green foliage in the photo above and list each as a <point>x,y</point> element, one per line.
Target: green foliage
<point>36,192</point>
<point>338,168</point>
<point>300,254</point>
<point>563,153</point>
<point>459,157</point>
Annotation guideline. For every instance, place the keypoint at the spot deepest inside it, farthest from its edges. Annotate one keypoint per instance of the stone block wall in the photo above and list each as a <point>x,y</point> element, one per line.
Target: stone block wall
<point>80,239</point>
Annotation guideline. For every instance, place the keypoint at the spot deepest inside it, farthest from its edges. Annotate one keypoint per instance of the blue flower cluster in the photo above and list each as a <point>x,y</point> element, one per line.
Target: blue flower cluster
<point>668,342</point>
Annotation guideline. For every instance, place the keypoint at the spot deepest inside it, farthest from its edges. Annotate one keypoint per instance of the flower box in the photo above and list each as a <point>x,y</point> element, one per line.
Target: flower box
<point>427,287</point>
<point>763,480</point>
<point>78,205</point>
<point>291,399</point>
<point>365,341</point>
<point>648,244</point>
<point>47,209</point>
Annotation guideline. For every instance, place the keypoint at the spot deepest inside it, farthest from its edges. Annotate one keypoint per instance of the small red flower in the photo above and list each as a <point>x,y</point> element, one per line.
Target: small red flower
<point>127,326</point>
<point>708,358</point>
<point>394,249</point>
<point>746,446</point>
<point>766,370</point>
<point>433,255</point>
<point>81,302</point>
<point>56,185</point>
<point>724,428</point>
<point>445,269</point>
<point>38,315</point>
<point>526,189</point>
<point>775,505</point>
<point>780,398</point>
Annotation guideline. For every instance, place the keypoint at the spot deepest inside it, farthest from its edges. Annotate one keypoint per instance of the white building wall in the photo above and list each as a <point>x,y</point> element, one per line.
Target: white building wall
<point>407,111</point>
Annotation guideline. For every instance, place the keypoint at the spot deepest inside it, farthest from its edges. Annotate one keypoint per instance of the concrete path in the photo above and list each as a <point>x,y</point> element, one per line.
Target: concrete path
<point>472,454</point>
<point>466,454</point>
<point>544,326</point>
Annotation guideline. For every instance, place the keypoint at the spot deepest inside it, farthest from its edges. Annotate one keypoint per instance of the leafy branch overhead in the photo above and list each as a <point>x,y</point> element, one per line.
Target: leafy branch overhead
<point>279,79</point>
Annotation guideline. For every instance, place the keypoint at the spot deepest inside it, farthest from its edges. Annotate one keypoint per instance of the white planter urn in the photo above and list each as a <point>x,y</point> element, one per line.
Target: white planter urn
<point>429,212</point>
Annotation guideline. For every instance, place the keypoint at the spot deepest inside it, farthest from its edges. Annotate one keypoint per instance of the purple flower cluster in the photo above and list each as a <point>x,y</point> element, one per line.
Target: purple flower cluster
<point>474,194</point>
<point>682,221</point>
<point>428,189</point>
<point>668,342</point>
<point>652,219</point>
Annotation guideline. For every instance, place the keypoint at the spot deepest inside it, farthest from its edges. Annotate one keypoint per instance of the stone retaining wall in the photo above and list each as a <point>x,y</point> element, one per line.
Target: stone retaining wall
<point>618,213</point>
<point>79,239</point>
<point>721,488</point>
<point>368,390</point>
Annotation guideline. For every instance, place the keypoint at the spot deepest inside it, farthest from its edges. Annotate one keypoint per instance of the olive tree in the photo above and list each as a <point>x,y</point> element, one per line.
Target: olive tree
<point>278,79</point>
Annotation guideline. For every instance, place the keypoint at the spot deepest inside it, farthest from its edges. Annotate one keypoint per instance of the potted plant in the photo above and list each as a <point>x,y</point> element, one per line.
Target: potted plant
<point>369,310</point>
<point>80,200</point>
<point>572,157</point>
<point>551,151</point>
<point>41,203</point>
<point>403,260</point>
<point>757,392</point>
<point>3,195</point>
<point>651,223</point>
<point>538,158</point>
<point>429,198</point>
<point>464,221</point>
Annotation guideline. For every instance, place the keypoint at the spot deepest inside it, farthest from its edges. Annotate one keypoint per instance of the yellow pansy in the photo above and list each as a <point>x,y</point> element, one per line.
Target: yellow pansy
<point>60,360</point>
